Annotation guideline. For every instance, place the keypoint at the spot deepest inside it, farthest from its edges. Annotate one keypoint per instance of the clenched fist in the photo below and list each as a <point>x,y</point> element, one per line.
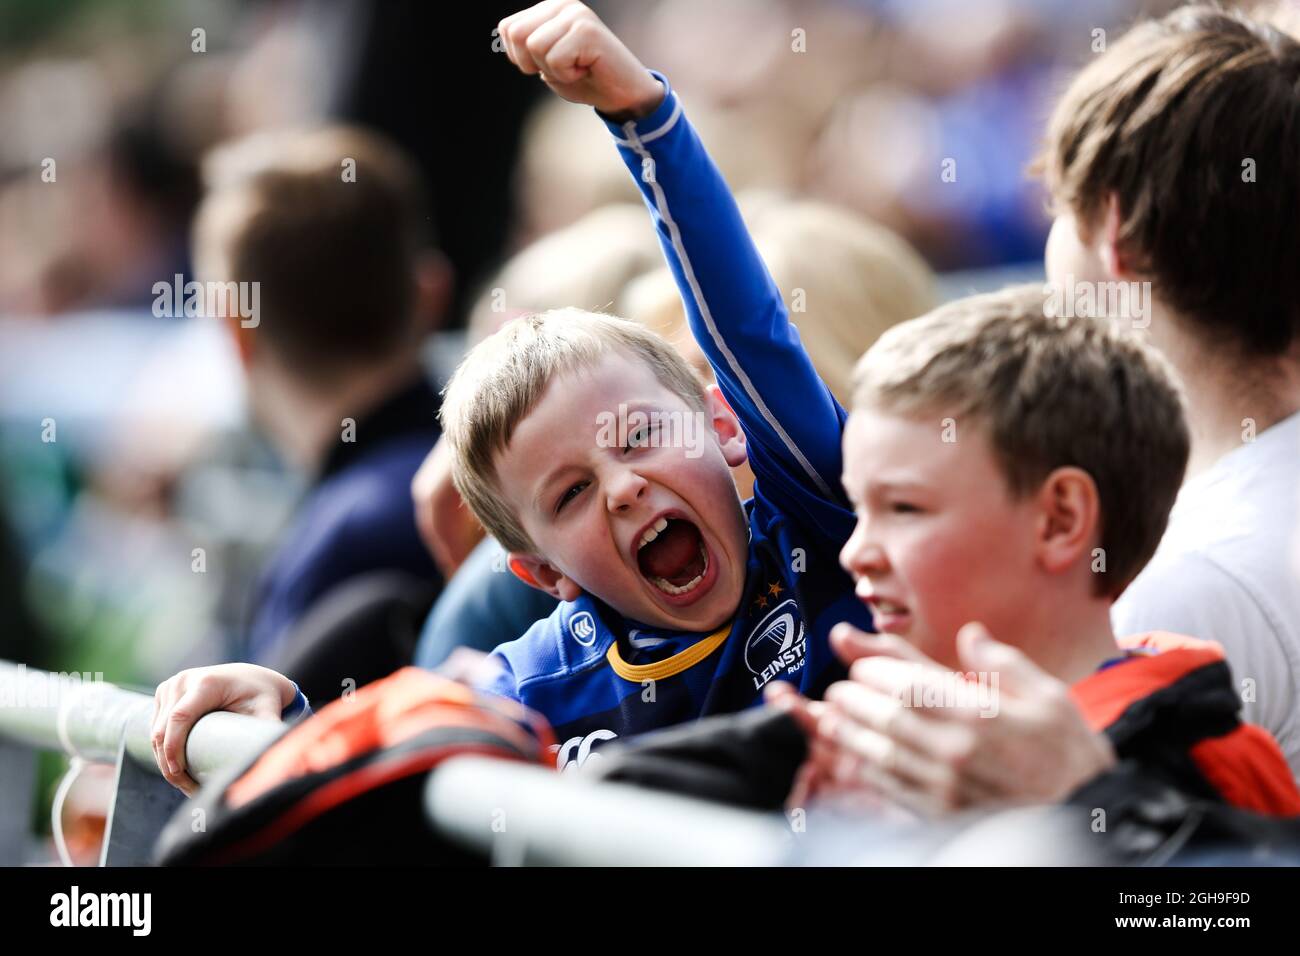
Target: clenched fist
<point>580,59</point>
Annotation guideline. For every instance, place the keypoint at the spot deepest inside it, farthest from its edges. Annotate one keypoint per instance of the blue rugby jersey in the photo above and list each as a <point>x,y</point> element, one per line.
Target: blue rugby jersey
<point>596,675</point>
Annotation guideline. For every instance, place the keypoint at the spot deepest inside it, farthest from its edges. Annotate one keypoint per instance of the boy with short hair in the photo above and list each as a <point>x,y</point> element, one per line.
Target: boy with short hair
<point>1069,441</point>
<point>590,449</point>
<point>679,602</point>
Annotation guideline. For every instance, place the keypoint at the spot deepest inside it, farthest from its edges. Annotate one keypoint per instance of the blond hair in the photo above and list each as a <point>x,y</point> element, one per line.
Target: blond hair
<point>845,278</point>
<point>585,265</point>
<point>1050,392</point>
<point>501,379</point>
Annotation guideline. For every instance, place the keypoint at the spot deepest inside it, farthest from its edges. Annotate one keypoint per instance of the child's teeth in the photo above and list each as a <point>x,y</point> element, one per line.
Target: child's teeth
<point>664,585</point>
<point>674,589</point>
<point>651,533</point>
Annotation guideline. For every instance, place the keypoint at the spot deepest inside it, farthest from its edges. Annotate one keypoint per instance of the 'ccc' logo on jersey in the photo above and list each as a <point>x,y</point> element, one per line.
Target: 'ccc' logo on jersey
<point>576,751</point>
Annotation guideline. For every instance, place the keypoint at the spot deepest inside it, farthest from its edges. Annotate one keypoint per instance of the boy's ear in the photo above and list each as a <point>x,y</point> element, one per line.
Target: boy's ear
<point>1069,519</point>
<point>1112,255</point>
<point>726,426</point>
<point>533,571</point>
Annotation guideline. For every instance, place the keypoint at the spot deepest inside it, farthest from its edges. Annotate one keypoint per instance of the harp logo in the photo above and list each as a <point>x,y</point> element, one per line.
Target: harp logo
<point>777,644</point>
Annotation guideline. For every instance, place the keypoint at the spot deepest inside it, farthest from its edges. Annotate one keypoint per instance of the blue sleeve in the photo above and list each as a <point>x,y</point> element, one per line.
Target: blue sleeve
<point>298,709</point>
<point>791,421</point>
<point>503,683</point>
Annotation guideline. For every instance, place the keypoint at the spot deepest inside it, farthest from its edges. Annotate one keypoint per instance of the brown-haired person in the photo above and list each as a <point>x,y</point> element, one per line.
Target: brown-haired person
<point>1174,159</point>
<point>1055,464</point>
<point>329,226</point>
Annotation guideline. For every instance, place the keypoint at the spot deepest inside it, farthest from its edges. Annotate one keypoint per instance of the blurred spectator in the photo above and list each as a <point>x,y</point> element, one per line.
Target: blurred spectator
<point>102,201</point>
<point>325,231</point>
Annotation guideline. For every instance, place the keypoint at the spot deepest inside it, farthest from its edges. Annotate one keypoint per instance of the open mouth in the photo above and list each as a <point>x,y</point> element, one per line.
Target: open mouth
<point>889,616</point>
<point>671,555</point>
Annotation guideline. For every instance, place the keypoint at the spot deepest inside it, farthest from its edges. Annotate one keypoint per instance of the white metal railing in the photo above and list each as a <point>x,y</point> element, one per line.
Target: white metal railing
<point>94,721</point>
<point>522,814</point>
<point>516,813</point>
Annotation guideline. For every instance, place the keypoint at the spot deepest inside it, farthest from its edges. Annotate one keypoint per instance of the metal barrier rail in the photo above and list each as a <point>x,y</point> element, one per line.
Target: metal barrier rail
<point>519,814</point>
<point>523,815</point>
<point>99,722</point>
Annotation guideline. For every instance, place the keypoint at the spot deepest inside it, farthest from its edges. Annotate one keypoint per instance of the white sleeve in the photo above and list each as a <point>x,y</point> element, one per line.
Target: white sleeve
<point>1192,595</point>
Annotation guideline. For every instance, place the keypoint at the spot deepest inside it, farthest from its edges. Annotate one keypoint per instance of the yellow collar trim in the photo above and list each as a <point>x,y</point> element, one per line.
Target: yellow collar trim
<point>669,666</point>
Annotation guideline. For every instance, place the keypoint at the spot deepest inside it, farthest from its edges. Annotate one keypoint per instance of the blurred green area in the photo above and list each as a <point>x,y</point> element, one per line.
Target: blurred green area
<point>25,22</point>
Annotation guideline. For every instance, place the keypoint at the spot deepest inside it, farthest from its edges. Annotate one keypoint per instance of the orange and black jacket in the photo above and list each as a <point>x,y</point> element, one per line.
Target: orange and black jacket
<point>1168,706</point>
<point>1171,706</point>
